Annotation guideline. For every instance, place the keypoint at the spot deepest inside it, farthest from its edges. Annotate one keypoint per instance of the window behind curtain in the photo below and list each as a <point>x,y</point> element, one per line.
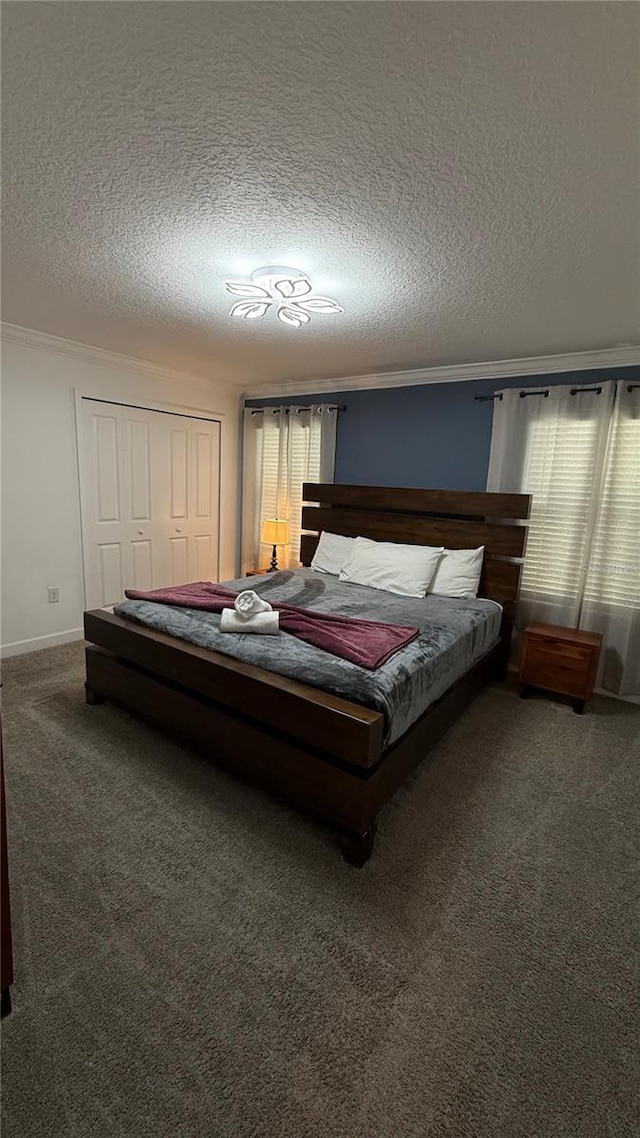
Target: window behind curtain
<point>304,463</point>
<point>283,449</point>
<point>559,468</point>
<point>577,452</point>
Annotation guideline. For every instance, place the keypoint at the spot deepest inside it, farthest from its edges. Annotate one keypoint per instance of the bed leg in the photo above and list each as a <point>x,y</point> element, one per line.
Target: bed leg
<point>92,697</point>
<point>5,1004</point>
<point>357,848</point>
<point>501,666</point>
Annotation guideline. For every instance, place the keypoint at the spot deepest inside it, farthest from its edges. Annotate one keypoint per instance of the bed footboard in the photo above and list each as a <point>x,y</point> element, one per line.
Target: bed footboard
<point>324,787</point>
<point>347,796</point>
<point>313,718</point>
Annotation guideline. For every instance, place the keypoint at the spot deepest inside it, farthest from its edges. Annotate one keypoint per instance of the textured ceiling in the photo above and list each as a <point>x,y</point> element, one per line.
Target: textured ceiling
<point>462,177</point>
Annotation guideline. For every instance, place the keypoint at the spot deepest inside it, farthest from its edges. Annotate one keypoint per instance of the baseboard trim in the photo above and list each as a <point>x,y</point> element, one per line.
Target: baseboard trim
<point>615,695</point>
<point>35,643</point>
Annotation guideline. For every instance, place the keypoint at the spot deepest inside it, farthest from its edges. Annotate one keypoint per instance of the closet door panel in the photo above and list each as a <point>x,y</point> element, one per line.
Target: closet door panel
<point>110,586</point>
<point>150,499</point>
<point>141,565</point>
<point>139,470</point>
<point>101,497</point>
<point>179,560</point>
<point>179,467</point>
<point>204,558</point>
<point>106,433</point>
<point>205,500</point>
<point>143,496</point>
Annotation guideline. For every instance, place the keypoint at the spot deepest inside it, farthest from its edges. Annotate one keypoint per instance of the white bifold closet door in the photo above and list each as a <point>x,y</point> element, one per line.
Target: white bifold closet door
<point>150,498</point>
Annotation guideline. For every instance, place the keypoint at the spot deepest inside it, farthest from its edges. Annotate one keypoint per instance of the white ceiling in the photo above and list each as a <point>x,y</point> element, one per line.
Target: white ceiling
<point>462,177</point>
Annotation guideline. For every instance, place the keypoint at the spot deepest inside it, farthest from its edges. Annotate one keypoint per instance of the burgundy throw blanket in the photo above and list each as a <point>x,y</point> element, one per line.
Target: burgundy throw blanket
<point>363,642</point>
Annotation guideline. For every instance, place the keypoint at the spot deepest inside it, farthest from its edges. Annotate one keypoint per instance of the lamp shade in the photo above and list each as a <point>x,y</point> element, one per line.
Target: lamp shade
<point>275,531</point>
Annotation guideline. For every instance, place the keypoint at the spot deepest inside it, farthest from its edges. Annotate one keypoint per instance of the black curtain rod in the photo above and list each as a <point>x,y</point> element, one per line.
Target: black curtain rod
<point>299,410</point>
<point>523,394</point>
<point>633,386</point>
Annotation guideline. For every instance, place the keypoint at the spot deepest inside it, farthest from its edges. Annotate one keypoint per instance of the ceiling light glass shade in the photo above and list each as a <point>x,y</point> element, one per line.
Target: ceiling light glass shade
<point>288,290</point>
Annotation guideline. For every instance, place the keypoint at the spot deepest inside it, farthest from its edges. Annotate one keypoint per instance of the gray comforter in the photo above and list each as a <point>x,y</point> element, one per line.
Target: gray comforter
<point>453,636</point>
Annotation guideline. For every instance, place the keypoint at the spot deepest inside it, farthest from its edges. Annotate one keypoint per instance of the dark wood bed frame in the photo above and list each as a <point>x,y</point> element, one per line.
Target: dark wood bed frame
<point>321,752</point>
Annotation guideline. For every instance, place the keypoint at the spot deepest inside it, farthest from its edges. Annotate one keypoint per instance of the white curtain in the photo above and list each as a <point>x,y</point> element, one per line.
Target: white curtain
<point>577,451</point>
<point>283,447</point>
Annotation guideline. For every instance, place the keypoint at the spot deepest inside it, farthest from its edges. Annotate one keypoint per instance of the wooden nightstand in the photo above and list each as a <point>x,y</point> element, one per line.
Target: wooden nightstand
<point>560,660</point>
<point>255,572</point>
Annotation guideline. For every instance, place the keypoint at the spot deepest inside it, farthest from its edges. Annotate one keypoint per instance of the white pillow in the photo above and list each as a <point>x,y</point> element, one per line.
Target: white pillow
<point>458,573</point>
<point>403,569</point>
<point>331,553</point>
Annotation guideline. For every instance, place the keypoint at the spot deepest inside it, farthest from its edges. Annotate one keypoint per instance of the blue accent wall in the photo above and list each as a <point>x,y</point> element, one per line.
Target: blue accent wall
<point>432,435</point>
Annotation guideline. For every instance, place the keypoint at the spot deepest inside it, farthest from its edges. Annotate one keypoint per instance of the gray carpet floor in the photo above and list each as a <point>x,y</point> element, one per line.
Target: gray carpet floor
<point>194,959</point>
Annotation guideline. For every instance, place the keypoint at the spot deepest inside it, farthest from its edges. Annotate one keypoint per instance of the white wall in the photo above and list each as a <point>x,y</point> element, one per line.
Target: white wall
<point>41,533</point>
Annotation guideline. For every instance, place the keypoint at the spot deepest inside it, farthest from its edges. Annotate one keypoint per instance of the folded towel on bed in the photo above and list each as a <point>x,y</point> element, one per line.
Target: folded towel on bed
<point>264,623</point>
<point>248,603</point>
<point>368,643</point>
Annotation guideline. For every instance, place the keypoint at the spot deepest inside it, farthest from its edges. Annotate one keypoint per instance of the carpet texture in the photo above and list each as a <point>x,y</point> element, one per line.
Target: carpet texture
<point>194,959</point>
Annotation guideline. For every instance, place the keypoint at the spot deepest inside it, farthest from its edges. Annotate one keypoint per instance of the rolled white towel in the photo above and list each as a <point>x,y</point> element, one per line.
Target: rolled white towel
<point>263,623</point>
<point>248,603</point>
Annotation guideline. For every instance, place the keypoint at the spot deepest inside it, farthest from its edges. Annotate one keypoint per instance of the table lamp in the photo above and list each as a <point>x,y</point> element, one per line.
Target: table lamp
<point>275,531</point>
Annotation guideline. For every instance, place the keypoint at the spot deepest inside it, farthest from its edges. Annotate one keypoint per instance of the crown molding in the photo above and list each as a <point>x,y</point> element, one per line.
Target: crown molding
<point>456,373</point>
<point>626,356</point>
<point>43,341</point>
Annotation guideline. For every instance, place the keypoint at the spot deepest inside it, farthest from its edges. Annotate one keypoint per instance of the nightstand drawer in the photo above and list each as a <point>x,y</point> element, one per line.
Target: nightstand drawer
<point>555,677</point>
<point>557,654</point>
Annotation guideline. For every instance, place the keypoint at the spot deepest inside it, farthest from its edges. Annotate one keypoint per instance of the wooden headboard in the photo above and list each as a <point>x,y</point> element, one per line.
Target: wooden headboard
<point>457,519</point>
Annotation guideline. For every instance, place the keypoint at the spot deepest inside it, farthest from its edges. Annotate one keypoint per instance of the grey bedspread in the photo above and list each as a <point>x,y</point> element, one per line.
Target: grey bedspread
<point>454,634</point>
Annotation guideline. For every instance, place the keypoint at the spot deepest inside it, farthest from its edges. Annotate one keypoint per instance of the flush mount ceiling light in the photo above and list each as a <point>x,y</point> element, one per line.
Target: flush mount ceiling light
<point>289,290</point>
